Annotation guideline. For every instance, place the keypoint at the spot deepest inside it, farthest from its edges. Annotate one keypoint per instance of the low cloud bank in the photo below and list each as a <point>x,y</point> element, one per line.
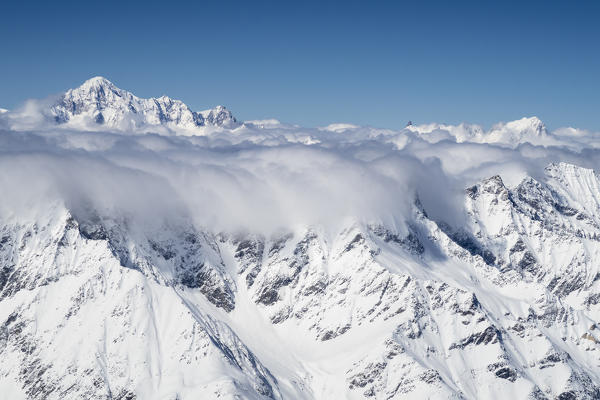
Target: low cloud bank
<point>271,176</point>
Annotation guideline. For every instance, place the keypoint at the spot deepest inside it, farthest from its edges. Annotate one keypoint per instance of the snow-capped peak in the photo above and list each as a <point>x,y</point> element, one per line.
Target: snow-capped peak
<point>532,127</point>
<point>99,104</point>
<point>524,130</point>
<point>96,82</point>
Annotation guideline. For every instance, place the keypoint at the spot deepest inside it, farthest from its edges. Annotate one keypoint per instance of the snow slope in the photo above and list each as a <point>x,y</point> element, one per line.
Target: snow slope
<point>91,309</point>
<point>273,261</point>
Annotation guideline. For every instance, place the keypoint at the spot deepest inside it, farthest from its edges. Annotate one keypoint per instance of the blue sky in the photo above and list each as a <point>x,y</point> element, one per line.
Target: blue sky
<point>315,63</point>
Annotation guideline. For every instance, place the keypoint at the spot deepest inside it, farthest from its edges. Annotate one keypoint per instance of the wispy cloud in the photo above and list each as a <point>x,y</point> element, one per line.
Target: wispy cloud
<point>266,176</point>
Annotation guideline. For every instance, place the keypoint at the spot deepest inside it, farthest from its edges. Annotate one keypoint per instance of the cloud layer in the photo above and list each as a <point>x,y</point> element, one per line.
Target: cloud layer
<point>266,176</point>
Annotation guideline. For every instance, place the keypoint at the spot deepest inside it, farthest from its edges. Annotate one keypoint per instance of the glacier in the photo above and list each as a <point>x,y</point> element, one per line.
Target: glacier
<point>160,253</point>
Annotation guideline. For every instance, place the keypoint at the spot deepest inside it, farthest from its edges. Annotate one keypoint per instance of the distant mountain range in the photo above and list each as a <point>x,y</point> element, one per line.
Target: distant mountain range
<point>98,105</point>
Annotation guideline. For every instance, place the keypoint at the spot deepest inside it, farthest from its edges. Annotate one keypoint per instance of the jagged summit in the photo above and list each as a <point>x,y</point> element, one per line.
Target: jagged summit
<point>99,104</point>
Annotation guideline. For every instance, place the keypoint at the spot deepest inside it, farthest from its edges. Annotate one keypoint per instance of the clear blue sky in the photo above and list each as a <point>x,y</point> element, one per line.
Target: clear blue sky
<point>314,63</point>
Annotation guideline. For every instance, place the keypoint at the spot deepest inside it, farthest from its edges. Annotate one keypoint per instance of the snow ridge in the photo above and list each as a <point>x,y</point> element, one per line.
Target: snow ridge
<point>370,312</point>
<point>98,101</point>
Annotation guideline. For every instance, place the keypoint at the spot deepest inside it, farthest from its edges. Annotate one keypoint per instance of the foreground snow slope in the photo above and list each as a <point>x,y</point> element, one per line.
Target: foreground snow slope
<point>506,306</point>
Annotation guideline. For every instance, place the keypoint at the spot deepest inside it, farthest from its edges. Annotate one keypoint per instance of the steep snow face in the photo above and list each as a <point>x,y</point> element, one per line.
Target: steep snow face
<point>98,104</point>
<point>93,306</point>
<point>83,319</point>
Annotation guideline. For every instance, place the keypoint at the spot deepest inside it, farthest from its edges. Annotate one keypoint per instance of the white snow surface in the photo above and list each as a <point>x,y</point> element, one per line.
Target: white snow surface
<point>153,257</point>
<point>99,105</point>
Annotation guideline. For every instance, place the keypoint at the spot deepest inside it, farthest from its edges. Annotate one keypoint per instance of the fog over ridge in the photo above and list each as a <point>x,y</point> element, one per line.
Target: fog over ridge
<point>266,175</point>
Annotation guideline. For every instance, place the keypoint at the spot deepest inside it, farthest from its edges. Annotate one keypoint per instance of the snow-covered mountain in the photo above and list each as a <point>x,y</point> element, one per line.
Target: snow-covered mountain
<point>271,261</point>
<point>98,104</point>
<point>526,130</point>
<point>505,306</point>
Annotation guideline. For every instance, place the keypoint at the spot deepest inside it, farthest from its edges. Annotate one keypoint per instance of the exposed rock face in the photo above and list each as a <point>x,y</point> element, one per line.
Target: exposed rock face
<point>506,304</point>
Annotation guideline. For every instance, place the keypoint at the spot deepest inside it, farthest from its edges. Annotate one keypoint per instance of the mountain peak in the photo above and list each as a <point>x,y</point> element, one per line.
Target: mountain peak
<point>99,103</point>
<point>96,82</point>
<point>530,124</point>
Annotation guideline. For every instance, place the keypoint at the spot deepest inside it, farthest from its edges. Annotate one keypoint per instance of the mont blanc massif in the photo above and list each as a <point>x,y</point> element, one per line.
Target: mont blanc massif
<point>154,252</point>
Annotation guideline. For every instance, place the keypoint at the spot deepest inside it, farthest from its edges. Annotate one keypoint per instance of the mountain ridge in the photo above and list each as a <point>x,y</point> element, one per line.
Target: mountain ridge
<point>99,101</point>
<point>99,105</point>
<point>408,322</point>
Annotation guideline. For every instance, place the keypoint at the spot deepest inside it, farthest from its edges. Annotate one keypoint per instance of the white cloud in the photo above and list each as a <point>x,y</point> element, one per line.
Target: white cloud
<point>265,175</point>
